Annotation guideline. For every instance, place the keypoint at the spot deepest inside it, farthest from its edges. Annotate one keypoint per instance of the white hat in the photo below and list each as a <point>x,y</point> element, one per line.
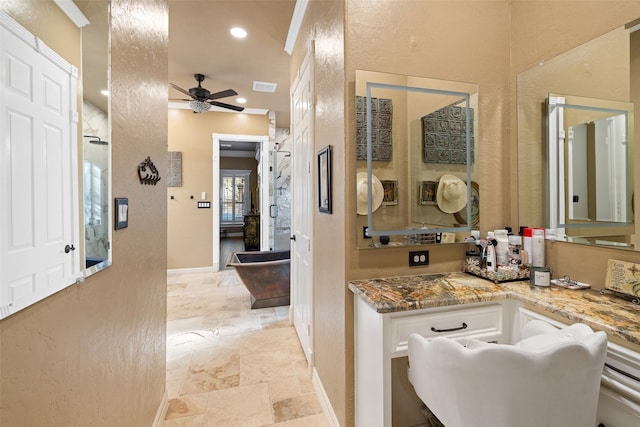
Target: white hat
<point>452,194</point>
<point>377,193</point>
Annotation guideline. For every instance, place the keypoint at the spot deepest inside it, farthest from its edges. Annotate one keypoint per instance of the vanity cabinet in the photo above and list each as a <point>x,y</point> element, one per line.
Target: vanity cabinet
<point>462,307</point>
<point>381,337</point>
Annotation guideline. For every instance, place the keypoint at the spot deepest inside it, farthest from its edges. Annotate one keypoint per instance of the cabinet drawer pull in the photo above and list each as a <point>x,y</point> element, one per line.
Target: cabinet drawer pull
<point>464,326</point>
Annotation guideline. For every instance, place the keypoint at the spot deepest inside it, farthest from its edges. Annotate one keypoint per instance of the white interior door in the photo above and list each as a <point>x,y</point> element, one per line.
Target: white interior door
<point>302,110</point>
<point>39,228</point>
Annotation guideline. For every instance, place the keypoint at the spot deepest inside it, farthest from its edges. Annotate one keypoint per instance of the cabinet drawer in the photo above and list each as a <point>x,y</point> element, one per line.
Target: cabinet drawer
<point>480,323</point>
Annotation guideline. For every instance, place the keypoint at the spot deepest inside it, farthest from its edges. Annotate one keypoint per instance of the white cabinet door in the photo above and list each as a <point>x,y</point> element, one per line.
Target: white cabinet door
<point>38,173</point>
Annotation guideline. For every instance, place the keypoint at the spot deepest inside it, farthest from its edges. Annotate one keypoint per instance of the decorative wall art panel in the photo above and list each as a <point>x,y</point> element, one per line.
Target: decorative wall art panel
<point>175,169</point>
<point>445,135</point>
<point>381,125</point>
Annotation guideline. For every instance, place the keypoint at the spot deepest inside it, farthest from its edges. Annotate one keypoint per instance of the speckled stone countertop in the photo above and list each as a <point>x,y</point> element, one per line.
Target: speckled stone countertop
<point>614,315</point>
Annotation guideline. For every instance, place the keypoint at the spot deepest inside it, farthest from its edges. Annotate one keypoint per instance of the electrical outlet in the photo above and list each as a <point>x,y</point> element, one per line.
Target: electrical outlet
<point>418,258</point>
<point>365,232</point>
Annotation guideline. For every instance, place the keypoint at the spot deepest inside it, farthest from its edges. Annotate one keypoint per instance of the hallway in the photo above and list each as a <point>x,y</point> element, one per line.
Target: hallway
<point>228,365</point>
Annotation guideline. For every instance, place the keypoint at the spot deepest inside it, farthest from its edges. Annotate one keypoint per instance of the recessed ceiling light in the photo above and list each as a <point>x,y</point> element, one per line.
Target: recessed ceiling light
<point>104,92</point>
<point>241,100</point>
<point>238,32</point>
<point>264,87</point>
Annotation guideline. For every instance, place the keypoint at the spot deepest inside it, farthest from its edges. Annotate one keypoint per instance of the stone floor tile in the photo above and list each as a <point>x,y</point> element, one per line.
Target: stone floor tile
<point>296,407</point>
<point>245,406</point>
<point>229,365</point>
<point>186,406</point>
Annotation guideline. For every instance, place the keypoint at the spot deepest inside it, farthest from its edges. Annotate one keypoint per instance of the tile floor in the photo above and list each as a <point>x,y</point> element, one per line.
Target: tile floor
<point>228,365</point>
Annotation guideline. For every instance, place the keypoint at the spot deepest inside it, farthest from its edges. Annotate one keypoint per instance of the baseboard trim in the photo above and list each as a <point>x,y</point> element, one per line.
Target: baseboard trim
<point>324,400</point>
<point>179,271</point>
<point>162,411</point>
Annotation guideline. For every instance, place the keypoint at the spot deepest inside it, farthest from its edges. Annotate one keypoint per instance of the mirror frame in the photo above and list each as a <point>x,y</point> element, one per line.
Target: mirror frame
<point>368,115</point>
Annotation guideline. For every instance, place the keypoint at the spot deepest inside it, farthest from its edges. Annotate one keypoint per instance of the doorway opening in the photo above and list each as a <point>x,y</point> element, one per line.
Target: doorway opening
<point>240,173</point>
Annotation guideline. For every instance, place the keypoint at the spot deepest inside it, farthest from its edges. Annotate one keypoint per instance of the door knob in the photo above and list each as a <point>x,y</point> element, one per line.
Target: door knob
<point>293,238</point>
<point>68,249</point>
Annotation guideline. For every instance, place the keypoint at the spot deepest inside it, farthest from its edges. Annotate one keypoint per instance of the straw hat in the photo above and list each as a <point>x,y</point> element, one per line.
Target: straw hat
<point>452,194</point>
<point>377,193</point>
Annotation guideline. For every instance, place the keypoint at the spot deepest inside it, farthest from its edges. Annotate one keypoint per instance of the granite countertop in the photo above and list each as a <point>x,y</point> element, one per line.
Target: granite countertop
<point>614,315</point>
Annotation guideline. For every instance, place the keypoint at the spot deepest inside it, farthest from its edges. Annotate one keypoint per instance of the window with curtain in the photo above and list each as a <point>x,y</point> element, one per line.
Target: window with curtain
<point>235,196</point>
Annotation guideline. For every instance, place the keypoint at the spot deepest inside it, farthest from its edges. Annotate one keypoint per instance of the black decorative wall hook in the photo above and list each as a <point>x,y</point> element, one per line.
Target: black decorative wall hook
<point>148,173</point>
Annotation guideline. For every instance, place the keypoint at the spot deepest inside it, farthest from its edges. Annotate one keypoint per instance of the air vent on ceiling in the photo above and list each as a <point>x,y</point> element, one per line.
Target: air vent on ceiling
<point>264,86</point>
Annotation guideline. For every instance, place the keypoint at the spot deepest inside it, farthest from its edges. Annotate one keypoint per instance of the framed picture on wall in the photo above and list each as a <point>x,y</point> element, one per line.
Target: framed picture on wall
<point>324,179</point>
<point>428,191</point>
<point>390,188</point>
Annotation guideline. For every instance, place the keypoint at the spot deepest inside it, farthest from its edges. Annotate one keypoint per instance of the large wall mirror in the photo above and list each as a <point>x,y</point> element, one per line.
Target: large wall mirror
<point>417,179</point>
<point>95,184</point>
<point>576,151</point>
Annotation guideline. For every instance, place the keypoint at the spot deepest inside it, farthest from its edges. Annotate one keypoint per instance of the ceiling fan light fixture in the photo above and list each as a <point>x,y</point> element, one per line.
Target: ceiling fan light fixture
<point>199,106</point>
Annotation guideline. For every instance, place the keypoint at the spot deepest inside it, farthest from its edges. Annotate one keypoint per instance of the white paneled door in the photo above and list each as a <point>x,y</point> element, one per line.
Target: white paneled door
<point>302,111</point>
<point>38,173</point>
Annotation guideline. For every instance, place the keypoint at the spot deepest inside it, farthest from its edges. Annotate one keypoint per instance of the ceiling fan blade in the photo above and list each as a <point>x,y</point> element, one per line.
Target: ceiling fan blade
<point>179,89</point>
<point>223,105</point>
<point>223,94</point>
<point>177,99</point>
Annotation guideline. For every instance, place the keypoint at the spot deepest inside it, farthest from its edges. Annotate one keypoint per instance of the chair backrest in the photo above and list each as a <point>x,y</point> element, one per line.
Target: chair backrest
<point>550,379</point>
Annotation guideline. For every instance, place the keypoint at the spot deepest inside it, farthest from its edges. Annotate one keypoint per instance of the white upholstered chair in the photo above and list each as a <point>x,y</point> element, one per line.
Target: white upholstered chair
<point>549,378</point>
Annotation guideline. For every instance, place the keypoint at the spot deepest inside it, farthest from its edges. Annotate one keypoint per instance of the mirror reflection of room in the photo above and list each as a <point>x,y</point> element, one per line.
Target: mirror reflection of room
<point>423,168</point>
<point>95,150</point>
<point>589,138</point>
<point>571,196</point>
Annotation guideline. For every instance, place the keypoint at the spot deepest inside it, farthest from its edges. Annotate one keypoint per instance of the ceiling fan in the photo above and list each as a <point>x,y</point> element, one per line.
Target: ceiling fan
<point>202,99</point>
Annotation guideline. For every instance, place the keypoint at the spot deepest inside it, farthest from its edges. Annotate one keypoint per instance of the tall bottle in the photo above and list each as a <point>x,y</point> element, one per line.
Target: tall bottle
<point>527,234</point>
<point>491,254</point>
<point>537,248</point>
<point>515,247</point>
<point>502,250</point>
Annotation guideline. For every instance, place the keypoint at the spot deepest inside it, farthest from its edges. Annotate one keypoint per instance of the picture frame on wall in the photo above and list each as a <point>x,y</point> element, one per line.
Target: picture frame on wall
<point>390,188</point>
<point>428,191</point>
<point>324,180</point>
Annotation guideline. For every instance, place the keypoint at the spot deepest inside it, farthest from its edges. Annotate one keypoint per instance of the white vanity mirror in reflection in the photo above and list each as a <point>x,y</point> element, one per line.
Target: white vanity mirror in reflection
<point>416,171</point>
<point>589,168</point>
<point>95,184</point>
<point>582,104</point>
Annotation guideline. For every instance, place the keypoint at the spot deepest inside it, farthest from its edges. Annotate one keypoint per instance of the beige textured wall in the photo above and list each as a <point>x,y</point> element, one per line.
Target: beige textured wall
<point>95,354</point>
<point>190,230</point>
<point>333,338</point>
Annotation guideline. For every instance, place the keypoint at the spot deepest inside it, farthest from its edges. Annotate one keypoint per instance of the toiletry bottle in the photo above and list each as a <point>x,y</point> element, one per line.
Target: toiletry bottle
<point>537,247</point>
<point>502,250</point>
<point>515,246</point>
<point>491,254</point>
<point>527,235</point>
